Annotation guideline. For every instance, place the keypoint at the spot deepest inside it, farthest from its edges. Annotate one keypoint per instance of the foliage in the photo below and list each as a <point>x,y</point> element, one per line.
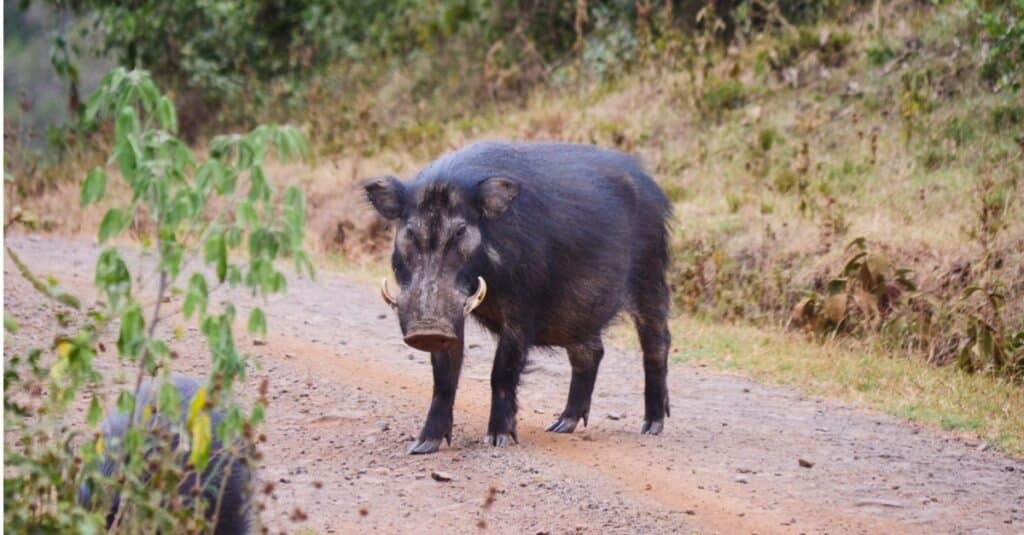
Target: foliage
<point>222,210</point>
<point>723,95</point>
<point>866,294</point>
<point>267,54</point>
<point>221,46</point>
<point>1002,25</point>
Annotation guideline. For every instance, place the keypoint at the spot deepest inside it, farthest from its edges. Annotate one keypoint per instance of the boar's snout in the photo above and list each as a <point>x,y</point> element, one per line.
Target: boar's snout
<point>431,337</point>
<point>420,318</point>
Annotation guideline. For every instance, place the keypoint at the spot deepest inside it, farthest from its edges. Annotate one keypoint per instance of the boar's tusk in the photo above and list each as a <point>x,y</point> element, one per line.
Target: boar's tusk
<point>386,294</point>
<point>477,298</point>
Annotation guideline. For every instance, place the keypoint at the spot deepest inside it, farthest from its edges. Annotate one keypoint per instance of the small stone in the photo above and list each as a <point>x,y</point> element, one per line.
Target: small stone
<point>984,446</point>
<point>740,479</point>
<point>871,502</point>
<point>258,342</point>
<point>804,463</point>
<point>438,475</point>
<point>615,415</point>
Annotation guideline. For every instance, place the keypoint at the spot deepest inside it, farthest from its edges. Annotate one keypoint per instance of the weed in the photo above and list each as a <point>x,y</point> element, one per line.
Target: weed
<point>721,96</point>
<point>879,53</point>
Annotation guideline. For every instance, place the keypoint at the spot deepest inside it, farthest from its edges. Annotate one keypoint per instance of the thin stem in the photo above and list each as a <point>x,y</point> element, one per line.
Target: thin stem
<point>145,352</point>
<point>138,379</point>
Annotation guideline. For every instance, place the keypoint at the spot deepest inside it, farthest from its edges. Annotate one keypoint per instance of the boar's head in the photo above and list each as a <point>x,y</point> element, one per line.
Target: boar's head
<point>440,251</point>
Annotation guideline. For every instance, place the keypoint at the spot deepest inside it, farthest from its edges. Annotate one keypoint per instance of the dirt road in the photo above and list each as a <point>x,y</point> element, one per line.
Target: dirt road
<point>347,397</point>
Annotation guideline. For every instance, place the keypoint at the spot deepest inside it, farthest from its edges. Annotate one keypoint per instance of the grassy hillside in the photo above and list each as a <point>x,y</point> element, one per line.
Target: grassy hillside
<point>857,177</point>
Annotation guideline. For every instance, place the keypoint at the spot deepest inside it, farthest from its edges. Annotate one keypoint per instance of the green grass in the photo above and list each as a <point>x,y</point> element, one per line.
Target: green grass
<point>946,398</point>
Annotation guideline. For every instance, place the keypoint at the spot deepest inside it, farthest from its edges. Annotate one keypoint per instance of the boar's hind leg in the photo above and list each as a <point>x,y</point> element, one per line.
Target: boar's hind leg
<point>585,359</point>
<point>447,365</point>
<point>509,360</point>
<point>651,319</point>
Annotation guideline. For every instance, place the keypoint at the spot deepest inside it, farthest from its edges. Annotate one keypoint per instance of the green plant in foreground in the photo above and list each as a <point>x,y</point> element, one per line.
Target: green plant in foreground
<point>222,210</point>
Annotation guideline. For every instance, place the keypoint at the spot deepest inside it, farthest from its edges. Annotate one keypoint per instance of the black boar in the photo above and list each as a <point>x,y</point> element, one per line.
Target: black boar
<point>234,516</point>
<point>544,244</point>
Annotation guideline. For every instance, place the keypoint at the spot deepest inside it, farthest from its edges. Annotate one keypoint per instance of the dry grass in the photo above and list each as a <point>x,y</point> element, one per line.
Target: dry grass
<point>980,406</point>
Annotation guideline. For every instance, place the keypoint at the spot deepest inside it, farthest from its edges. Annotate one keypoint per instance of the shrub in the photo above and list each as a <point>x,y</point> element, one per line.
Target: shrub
<point>210,210</point>
<point>1002,26</point>
<point>722,95</point>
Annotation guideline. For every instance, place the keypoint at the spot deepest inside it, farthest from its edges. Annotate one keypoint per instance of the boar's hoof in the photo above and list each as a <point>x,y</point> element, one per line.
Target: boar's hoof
<point>501,440</point>
<point>427,445</point>
<point>652,428</point>
<point>565,424</point>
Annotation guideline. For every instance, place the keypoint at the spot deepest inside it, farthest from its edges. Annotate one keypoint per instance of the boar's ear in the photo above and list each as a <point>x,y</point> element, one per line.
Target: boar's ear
<point>387,195</point>
<point>496,194</point>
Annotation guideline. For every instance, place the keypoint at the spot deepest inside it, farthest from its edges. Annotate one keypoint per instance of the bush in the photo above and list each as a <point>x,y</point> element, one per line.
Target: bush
<point>222,210</point>
<point>1002,26</point>
<point>723,95</point>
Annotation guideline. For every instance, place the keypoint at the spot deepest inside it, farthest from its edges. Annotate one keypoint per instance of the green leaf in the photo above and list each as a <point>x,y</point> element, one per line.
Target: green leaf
<point>132,336</point>
<point>257,322</point>
<point>149,93</point>
<point>215,252</point>
<point>113,223</point>
<point>112,276</point>
<point>127,123</point>
<point>167,116</point>
<point>259,189</point>
<point>94,186</point>
<point>246,154</point>
<point>209,175</point>
<point>257,414</point>
<point>246,214</point>
<point>234,237</point>
<point>127,160</point>
<point>234,275</point>
<point>196,296</point>
<point>95,413</point>
<point>159,349</point>
<point>10,324</point>
<point>168,401</point>
<point>125,401</point>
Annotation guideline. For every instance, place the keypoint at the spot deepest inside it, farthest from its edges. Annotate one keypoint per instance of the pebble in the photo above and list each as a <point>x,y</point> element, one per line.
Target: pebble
<point>438,475</point>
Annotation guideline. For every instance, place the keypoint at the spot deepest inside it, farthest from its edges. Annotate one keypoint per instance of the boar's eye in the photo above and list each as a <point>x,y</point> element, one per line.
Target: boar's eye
<point>460,231</point>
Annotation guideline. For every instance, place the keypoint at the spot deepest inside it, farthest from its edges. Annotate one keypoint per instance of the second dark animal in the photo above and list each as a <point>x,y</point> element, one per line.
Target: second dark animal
<point>234,516</point>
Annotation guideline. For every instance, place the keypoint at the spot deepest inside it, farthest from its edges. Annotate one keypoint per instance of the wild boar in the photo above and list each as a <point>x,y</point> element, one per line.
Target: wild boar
<point>542,243</point>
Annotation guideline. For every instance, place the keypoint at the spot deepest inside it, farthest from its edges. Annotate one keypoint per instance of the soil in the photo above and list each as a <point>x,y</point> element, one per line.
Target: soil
<point>736,456</point>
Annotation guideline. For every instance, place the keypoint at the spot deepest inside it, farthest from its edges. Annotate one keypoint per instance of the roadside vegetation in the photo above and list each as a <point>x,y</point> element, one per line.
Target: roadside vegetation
<point>185,212</point>
<point>845,172</point>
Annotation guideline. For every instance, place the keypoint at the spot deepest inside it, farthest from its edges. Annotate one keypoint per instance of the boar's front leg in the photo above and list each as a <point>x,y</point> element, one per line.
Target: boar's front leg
<point>509,360</point>
<point>447,365</point>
